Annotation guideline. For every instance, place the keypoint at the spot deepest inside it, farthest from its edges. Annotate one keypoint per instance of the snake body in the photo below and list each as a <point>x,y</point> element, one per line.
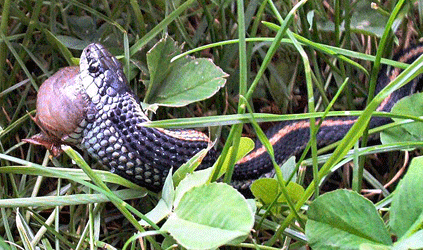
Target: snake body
<point>108,117</point>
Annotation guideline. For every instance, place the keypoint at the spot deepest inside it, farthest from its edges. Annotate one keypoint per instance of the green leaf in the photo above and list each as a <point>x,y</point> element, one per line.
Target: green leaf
<point>164,206</point>
<point>203,176</point>
<point>168,243</point>
<point>410,105</point>
<point>246,145</point>
<point>407,204</point>
<point>193,81</point>
<point>72,42</point>
<point>368,246</point>
<point>267,189</point>
<point>413,242</point>
<point>157,214</point>
<point>189,166</point>
<point>168,193</point>
<point>183,81</point>
<point>288,168</point>
<point>343,220</point>
<point>4,245</point>
<point>395,135</point>
<point>364,20</point>
<point>158,62</point>
<point>84,27</point>
<point>210,216</point>
<point>195,179</point>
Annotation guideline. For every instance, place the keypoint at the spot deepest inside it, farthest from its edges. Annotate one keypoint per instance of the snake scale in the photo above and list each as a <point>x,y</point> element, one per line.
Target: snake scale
<point>92,107</point>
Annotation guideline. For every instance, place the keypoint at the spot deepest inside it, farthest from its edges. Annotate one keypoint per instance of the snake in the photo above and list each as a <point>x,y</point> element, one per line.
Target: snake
<point>92,107</point>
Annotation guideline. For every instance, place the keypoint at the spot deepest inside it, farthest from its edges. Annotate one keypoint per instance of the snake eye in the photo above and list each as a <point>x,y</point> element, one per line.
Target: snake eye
<point>93,68</point>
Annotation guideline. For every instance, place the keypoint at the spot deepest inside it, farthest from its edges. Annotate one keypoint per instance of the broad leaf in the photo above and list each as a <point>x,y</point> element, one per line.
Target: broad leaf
<point>158,61</point>
<point>407,204</point>
<point>395,135</point>
<point>183,81</point>
<point>413,242</point>
<point>189,166</point>
<point>157,214</point>
<point>201,177</point>
<point>210,216</point>
<point>3,244</point>
<point>364,19</point>
<point>344,220</point>
<point>164,206</point>
<point>410,105</point>
<point>367,246</point>
<point>246,145</point>
<point>288,169</point>
<point>268,189</point>
<point>72,42</point>
<point>196,179</point>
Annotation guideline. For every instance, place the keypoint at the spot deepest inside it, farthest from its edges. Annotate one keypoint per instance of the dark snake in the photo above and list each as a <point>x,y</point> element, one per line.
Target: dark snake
<point>93,108</point>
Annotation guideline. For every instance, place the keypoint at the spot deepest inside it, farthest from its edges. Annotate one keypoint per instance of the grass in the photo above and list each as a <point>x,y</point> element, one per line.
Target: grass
<point>288,54</point>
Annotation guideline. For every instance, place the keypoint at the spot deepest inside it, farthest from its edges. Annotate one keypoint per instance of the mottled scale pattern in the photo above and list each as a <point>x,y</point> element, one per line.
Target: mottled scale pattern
<point>292,142</point>
<point>144,155</point>
<point>115,135</point>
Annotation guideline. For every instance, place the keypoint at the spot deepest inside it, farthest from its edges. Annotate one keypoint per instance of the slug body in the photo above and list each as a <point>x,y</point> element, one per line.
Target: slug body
<point>61,107</point>
<point>61,115</point>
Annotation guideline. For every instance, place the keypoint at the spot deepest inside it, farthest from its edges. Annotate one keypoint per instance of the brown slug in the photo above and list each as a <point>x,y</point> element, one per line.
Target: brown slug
<point>61,106</point>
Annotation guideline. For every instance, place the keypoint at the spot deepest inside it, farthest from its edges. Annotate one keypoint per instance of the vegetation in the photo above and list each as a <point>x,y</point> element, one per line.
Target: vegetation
<point>281,57</point>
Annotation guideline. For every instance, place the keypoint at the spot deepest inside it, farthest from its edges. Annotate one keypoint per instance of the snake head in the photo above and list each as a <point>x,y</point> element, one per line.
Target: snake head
<point>101,73</point>
<point>67,101</point>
